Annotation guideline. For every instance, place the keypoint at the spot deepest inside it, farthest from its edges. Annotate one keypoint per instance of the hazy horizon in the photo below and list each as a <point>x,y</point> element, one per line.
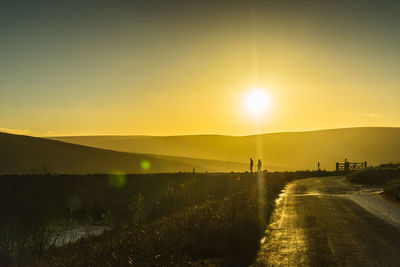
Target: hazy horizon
<point>28,133</point>
<point>278,151</point>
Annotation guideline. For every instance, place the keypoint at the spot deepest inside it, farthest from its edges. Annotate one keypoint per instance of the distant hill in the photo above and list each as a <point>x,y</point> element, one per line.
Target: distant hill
<point>24,154</point>
<point>279,151</point>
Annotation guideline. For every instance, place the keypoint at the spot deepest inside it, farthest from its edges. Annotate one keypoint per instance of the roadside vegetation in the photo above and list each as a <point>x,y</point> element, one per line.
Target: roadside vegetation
<point>374,175</point>
<point>158,219</point>
<point>386,175</point>
<point>392,189</point>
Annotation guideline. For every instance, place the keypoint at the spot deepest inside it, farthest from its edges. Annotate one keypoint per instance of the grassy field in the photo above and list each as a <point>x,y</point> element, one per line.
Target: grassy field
<point>157,219</point>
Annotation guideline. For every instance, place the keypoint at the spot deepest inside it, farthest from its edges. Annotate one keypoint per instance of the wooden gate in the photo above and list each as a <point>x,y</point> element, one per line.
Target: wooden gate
<point>350,166</point>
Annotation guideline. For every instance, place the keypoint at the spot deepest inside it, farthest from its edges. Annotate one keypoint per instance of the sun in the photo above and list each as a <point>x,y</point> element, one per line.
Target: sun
<point>257,102</point>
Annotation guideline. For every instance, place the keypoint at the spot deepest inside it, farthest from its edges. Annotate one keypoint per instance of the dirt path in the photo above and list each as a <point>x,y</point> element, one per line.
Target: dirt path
<point>330,222</point>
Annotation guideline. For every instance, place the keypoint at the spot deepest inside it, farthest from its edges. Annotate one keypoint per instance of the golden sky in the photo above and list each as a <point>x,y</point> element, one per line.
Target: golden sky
<point>186,67</point>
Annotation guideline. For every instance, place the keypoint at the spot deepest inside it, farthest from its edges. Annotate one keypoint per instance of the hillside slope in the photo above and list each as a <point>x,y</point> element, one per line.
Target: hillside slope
<point>25,154</point>
<point>296,150</point>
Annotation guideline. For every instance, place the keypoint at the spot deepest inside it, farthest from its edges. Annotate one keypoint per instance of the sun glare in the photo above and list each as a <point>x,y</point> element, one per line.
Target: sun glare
<point>257,102</point>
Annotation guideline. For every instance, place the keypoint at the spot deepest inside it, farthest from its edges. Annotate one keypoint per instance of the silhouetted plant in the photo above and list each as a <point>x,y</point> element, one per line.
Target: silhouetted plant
<point>157,219</point>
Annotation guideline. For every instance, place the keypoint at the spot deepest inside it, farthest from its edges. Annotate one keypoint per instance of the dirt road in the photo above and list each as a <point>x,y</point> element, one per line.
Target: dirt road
<point>330,222</point>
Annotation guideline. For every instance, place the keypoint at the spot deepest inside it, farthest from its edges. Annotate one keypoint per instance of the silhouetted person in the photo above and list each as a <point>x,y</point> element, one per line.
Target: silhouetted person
<point>346,164</point>
<point>251,165</point>
<point>319,166</point>
<point>259,165</point>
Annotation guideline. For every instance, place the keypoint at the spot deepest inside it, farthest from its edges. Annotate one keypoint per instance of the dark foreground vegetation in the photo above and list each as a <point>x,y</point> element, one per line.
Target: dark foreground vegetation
<point>374,176</point>
<point>158,220</point>
<point>386,175</point>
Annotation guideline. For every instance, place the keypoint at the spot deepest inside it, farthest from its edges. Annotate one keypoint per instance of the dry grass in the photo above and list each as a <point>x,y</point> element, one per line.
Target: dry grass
<point>156,220</point>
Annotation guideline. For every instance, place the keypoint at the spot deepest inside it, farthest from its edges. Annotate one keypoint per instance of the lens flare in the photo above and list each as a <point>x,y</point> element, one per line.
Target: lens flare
<point>117,179</point>
<point>145,165</point>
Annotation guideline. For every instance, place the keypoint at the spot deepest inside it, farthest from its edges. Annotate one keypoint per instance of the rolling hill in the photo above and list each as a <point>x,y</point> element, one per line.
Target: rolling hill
<point>24,154</point>
<point>279,151</point>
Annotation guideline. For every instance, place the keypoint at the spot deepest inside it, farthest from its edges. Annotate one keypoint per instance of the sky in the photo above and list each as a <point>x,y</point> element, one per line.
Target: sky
<point>186,67</point>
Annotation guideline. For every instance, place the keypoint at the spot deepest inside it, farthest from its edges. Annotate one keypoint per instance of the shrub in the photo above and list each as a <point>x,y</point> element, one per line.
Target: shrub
<point>373,176</point>
<point>392,189</point>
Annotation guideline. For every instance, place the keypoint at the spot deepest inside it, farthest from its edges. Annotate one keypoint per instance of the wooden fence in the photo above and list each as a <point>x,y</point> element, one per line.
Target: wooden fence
<point>350,166</point>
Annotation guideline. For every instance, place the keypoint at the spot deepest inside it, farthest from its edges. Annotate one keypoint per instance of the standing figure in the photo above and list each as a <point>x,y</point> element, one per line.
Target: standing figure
<point>251,165</point>
<point>259,165</point>
<point>319,166</point>
<point>346,165</point>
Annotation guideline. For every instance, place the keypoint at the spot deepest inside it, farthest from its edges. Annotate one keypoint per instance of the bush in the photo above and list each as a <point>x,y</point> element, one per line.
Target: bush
<point>392,189</point>
<point>374,176</point>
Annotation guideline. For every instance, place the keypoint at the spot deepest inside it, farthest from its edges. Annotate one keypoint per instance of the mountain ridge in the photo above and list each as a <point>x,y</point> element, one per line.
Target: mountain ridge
<point>294,150</point>
<point>21,154</point>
